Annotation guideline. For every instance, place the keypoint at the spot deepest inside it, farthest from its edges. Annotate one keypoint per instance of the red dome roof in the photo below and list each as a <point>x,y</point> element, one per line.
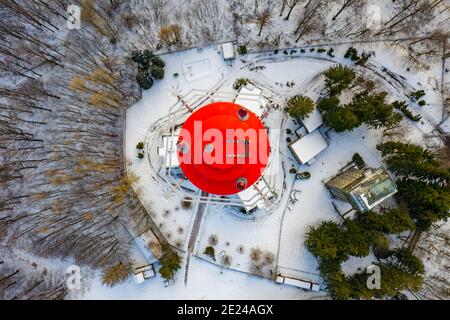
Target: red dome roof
<point>223,148</point>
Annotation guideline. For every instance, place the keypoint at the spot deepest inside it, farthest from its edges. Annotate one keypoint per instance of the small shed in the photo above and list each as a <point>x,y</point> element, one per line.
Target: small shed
<point>228,51</point>
<point>143,273</point>
<point>312,121</point>
<point>306,148</point>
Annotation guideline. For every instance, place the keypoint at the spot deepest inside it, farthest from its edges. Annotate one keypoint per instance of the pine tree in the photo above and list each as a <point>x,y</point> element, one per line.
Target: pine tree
<point>342,119</point>
<point>338,78</point>
<point>170,262</point>
<point>391,221</point>
<point>299,106</point>
<point>427,203</point>
<point>327,241</point>
<point>328,104</point>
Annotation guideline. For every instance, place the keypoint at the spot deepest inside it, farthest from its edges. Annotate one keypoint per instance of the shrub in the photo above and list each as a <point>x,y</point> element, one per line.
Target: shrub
<point>149,67</point>
<point>144,80</point>
<point>321,50</point>
<point>157,73</point>
<point>299,106</point>
<point>352,53</point>
<point>288,139</point>
<point>170,262</point>
<point>422,103</point>
<point>213,240</point>
<point>140,155</point>
<point>157,61</point>
<point>288,131</point>
<point>226,260</point>
<point>416,95</point>
<point>239,83</point>
<point>293,170</point>
<point>140,145</point>
<point>186,203</point>
<point>358,160</point>
<point>242,50</point>
<point>403,108</point>
<point>330,52</point>
<point>175,75</point>
<point>170,34</point>
<point>209,251</point>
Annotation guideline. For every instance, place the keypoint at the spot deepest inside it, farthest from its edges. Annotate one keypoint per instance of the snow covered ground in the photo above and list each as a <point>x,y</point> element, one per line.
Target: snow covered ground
<point>207,281</point>
<point>281,233</point>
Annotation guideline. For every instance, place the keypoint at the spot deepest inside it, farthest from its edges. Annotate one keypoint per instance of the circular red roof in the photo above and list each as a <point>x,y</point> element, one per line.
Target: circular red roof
<point>223,148</point>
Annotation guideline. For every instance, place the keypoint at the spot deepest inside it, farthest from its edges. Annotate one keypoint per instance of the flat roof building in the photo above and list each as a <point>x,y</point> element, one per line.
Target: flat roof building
<point>228,51</point>
<point>307,147</point>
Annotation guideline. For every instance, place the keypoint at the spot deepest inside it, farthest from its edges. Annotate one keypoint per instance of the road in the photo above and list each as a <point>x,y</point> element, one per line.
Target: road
<point>194,232</point>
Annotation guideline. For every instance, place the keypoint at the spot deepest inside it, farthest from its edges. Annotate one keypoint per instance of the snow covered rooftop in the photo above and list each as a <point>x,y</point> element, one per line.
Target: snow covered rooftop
<point>168,151</point>
<point>313,121</point>
<point>228,51</point>
<point>256,195</point>
<point>250,97</point>
<point>309,146</point>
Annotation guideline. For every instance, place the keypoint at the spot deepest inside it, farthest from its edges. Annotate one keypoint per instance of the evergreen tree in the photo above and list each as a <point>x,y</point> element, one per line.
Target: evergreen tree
<point>391,221</point>
<point>170,262</point>
<point>338,78</point>
<point>158,62</point>
<point>373,110</point>
<point>413,152</point>
<point>157,72</point>
<point>299,106</point>
<point>358,239</point>
<point>144,80</point>
<point>427,203</point>
<point>327,241</point>
<point>342,119</point>
<point>328,104</point>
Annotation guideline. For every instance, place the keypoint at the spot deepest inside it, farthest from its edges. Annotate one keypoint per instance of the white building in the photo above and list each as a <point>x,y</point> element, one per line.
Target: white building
<point>312,121</point>
<point>307,147</point>
<point>250,97</point>
<point>228,51</point>
<point>168,151</point>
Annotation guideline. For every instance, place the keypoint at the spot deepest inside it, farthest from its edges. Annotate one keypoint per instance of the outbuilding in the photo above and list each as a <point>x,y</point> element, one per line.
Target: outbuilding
<point>306,148</point>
